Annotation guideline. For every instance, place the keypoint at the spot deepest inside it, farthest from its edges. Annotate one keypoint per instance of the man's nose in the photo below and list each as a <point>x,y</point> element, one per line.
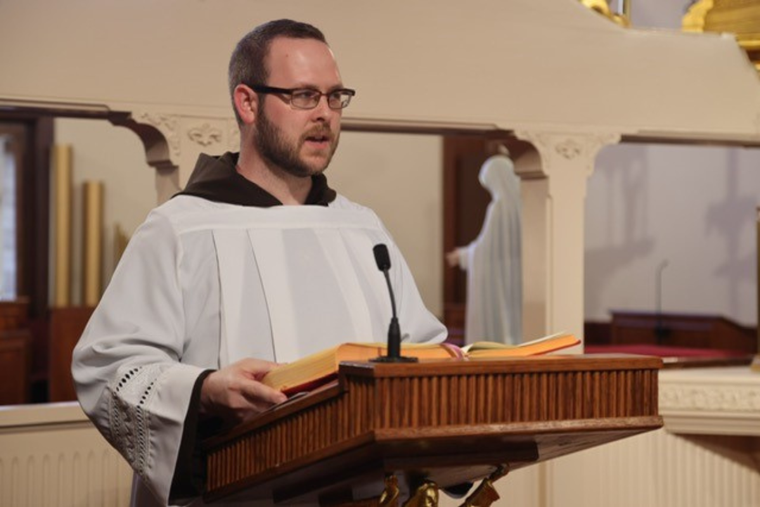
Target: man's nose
<point>323,111</point>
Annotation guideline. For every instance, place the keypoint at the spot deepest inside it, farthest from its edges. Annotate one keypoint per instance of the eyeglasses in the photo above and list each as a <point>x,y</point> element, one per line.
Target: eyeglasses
<point>308,98</point>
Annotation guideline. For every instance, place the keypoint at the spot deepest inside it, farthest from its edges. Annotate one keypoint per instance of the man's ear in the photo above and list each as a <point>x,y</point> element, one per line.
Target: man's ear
<point>246,103</point>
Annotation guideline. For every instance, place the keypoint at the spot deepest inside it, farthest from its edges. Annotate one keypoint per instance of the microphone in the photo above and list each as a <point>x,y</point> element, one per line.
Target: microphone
<point>383,261</point>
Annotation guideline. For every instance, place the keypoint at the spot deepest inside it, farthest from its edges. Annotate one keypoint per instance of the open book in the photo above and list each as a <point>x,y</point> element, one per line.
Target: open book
<point>317,369</point>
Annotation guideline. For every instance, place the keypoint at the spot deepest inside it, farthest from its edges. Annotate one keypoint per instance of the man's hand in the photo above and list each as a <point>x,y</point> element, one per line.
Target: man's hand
<point>236,393</point>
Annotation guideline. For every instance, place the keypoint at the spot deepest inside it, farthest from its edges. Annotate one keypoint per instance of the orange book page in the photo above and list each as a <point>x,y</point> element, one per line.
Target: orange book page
<point>483,350</point>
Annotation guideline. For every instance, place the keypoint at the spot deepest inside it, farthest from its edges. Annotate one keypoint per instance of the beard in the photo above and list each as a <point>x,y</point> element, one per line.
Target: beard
<point>278,151</point>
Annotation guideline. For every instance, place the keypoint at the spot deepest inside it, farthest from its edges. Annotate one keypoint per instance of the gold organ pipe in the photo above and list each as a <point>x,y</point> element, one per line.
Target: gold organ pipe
<point>92,192</point>
<point>62,161</point>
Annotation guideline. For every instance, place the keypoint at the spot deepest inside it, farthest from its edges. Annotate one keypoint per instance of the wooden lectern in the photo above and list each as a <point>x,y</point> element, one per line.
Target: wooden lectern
<point>449,422</point>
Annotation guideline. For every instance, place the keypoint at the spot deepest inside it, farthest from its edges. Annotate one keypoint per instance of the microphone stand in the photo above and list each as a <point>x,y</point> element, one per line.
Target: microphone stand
<point>394,330</point>
<point>660,331</point>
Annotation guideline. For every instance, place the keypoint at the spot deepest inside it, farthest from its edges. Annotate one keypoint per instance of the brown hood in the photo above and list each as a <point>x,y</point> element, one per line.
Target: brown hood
<point>216,179</point>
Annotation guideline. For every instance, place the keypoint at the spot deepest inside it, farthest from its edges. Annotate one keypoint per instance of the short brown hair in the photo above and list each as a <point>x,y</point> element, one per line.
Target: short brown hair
<point>248,61</point>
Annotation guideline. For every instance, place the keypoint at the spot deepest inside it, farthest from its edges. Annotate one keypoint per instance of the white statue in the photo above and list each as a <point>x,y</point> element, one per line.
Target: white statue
<point>492,260</point>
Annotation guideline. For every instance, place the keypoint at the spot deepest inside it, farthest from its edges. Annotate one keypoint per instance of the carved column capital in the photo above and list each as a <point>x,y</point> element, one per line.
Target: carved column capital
<point>159,133</point>
<point>557,149</point>
<point>174,141</point>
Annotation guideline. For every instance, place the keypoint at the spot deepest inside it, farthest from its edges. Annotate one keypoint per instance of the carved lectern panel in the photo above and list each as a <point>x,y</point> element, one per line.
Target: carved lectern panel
<point>444,421</point>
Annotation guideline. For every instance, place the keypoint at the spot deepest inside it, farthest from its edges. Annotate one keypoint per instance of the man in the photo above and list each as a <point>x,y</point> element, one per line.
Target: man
<point>257,262</point>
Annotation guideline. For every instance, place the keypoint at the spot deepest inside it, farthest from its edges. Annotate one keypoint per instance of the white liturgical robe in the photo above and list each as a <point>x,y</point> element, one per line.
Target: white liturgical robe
<point>203,284</point>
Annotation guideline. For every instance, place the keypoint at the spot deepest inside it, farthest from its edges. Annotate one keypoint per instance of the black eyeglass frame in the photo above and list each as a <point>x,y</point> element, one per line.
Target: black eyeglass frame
<point>291,91</point>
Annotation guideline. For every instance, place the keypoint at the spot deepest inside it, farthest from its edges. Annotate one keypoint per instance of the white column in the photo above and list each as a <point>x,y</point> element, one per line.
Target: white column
<point>553,183</point>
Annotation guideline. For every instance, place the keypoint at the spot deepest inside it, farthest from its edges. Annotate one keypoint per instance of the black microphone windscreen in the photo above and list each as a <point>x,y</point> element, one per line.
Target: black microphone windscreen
<point>382,258</point>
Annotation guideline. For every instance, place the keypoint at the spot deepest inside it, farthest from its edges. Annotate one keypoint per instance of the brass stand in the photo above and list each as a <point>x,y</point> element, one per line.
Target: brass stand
<point>485,494</point>
<point>390,495</point>
<point>426,495</point>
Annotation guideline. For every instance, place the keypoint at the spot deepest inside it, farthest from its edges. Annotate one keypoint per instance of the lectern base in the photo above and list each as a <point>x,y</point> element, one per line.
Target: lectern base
<point>445,422</point>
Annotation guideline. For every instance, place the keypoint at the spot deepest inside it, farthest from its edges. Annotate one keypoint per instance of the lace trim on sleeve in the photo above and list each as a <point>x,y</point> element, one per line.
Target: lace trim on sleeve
<point>131,394</point>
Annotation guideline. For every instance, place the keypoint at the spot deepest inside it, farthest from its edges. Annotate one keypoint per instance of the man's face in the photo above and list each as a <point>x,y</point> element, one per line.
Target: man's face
<point>301,142</point>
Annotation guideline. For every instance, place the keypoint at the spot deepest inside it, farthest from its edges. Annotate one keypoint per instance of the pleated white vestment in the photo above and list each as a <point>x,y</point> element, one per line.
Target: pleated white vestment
<point>203,284</point>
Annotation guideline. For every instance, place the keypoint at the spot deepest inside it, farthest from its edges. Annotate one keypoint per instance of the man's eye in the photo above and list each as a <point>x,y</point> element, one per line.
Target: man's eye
<point>304,94</point>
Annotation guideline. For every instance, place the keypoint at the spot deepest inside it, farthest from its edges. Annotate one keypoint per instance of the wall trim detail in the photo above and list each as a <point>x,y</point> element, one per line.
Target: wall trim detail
<point>569,149</point>
<point>205,135</point>
<point>711,401</point>
<point>711,398</point>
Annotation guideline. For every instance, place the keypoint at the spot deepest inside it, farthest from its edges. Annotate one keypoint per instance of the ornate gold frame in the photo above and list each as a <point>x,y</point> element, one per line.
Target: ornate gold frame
<point>739,17</point>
